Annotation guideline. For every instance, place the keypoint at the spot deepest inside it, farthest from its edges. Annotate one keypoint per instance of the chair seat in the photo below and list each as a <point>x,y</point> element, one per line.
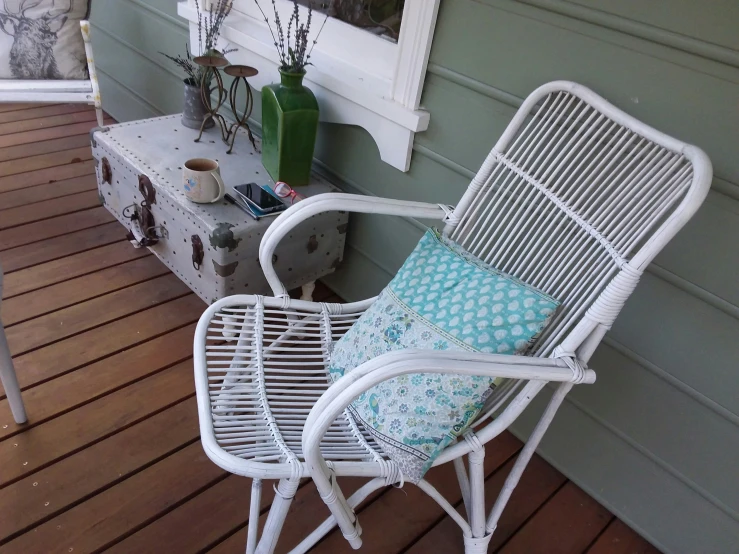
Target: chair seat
<point>266,368</point>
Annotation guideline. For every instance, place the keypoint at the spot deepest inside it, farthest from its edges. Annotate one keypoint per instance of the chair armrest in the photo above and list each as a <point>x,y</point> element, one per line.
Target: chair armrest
<point>336,202</point>
<point>393,364</point>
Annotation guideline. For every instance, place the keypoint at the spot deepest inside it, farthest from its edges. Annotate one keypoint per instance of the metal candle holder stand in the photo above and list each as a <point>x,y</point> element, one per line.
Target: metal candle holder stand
<point>212,65</point>
<point>240,73</point>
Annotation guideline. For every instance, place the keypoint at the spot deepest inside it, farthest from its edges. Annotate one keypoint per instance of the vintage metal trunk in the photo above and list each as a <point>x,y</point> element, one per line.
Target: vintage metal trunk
<point>214,248</point>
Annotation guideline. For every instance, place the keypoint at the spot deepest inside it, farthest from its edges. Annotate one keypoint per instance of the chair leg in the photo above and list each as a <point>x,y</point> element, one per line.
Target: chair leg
<point>284,495</point>
<point>477,492</point>
<point>464,484</point>
<point>307,291</point>
<point>526,454</point>
<point>10,381</point>
<point>256,501</point>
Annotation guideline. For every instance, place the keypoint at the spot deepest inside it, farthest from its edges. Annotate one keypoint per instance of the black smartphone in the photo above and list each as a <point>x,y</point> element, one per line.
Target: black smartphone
<point>259,198</point>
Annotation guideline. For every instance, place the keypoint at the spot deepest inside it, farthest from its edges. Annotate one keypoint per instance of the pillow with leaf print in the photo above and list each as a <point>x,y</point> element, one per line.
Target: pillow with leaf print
<point>41,39</point>
<point>442,298</point>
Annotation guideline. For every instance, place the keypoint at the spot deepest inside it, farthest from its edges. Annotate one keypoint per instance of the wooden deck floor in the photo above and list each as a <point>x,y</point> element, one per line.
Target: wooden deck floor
<point>110,460</point>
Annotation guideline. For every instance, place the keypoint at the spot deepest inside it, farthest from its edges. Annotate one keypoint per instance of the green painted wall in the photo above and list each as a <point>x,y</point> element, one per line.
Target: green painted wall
<point>657,438</point>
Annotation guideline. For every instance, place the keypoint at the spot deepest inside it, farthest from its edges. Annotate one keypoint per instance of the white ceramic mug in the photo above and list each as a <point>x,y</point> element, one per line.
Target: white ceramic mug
<point>201,181</point>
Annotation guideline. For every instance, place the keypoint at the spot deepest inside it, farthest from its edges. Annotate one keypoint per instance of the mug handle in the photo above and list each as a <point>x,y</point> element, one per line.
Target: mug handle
<point>221,187</point>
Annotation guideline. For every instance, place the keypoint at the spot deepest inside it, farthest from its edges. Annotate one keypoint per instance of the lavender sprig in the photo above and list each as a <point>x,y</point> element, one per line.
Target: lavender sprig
<point>210,24</point>
<point>292,47</point>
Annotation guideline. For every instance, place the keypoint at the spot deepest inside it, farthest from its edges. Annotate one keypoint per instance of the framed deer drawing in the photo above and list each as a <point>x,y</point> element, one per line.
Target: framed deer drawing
<point>45,53</point>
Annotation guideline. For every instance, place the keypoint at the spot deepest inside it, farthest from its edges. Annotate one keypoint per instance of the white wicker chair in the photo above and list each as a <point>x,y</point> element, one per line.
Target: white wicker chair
<point>576,198</point>
<point>7,373</point>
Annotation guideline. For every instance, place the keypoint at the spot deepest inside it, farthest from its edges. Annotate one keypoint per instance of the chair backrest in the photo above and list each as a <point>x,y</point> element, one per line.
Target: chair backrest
<point>576,198</point>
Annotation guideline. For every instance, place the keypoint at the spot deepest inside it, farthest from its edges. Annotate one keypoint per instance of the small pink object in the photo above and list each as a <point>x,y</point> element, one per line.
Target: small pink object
<point>283,190</point>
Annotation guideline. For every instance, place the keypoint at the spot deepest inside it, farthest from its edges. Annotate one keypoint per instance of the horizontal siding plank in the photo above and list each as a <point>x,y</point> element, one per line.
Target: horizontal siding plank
<point>685,17</point>
<point>661,88</point>
<point>627,395</point>
<point>683,335</point>
<point>629,484</point>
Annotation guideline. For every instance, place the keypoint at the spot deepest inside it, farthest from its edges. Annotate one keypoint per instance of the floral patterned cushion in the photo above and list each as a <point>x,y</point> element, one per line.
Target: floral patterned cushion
<point>443,298</point>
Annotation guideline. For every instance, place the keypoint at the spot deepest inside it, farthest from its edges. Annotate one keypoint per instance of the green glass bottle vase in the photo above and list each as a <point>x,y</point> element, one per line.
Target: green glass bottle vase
<point>289,128</point>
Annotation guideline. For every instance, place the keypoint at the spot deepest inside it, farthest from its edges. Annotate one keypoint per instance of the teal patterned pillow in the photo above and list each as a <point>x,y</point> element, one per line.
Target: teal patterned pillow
<point>443,298</point>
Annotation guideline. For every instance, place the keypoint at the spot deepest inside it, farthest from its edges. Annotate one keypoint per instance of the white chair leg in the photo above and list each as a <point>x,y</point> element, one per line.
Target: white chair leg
<point>526,454</point>
<point>477,492</point>
<point>464,484</point>
<point>307,291</point>
<point>322,530</point>
<point>284,495</point>
<point>9,379</point>
<point>85,27</point>
<point>256,501</point>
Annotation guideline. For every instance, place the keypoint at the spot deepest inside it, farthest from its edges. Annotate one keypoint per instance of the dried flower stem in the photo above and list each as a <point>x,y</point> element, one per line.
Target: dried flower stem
<point>292,47</point>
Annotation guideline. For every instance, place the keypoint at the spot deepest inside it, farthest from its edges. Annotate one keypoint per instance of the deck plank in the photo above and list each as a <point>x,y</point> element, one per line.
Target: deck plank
<point>22,235</point>
<point>199,523</point>
<point>61,246</point>
<point>119,510</point>
<point>75,352</point>
<point>94,381</point>
<point>538,482</point>
<point>69,155</point>
<point>41,446</point>
<point>77,140</point>
<point>41,193</point>
<point>45,122</point>
<point>46,176</point>
<point>567,523</point>
<point>48,209</point>
<point>42,111</point>
<point>618,538</point>
<point>73,320</point>
<point>69,267</point>
<point>81,475</point>
<point>64,294</point>
<point>40,135</point>
<point>18,106</point>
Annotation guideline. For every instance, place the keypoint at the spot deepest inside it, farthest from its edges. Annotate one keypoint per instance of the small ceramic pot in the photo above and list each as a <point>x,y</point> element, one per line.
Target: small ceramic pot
<point>193,110</point>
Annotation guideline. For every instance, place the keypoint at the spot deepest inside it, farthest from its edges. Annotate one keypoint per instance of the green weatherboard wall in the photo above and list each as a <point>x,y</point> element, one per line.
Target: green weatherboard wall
<point>656,439</point>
